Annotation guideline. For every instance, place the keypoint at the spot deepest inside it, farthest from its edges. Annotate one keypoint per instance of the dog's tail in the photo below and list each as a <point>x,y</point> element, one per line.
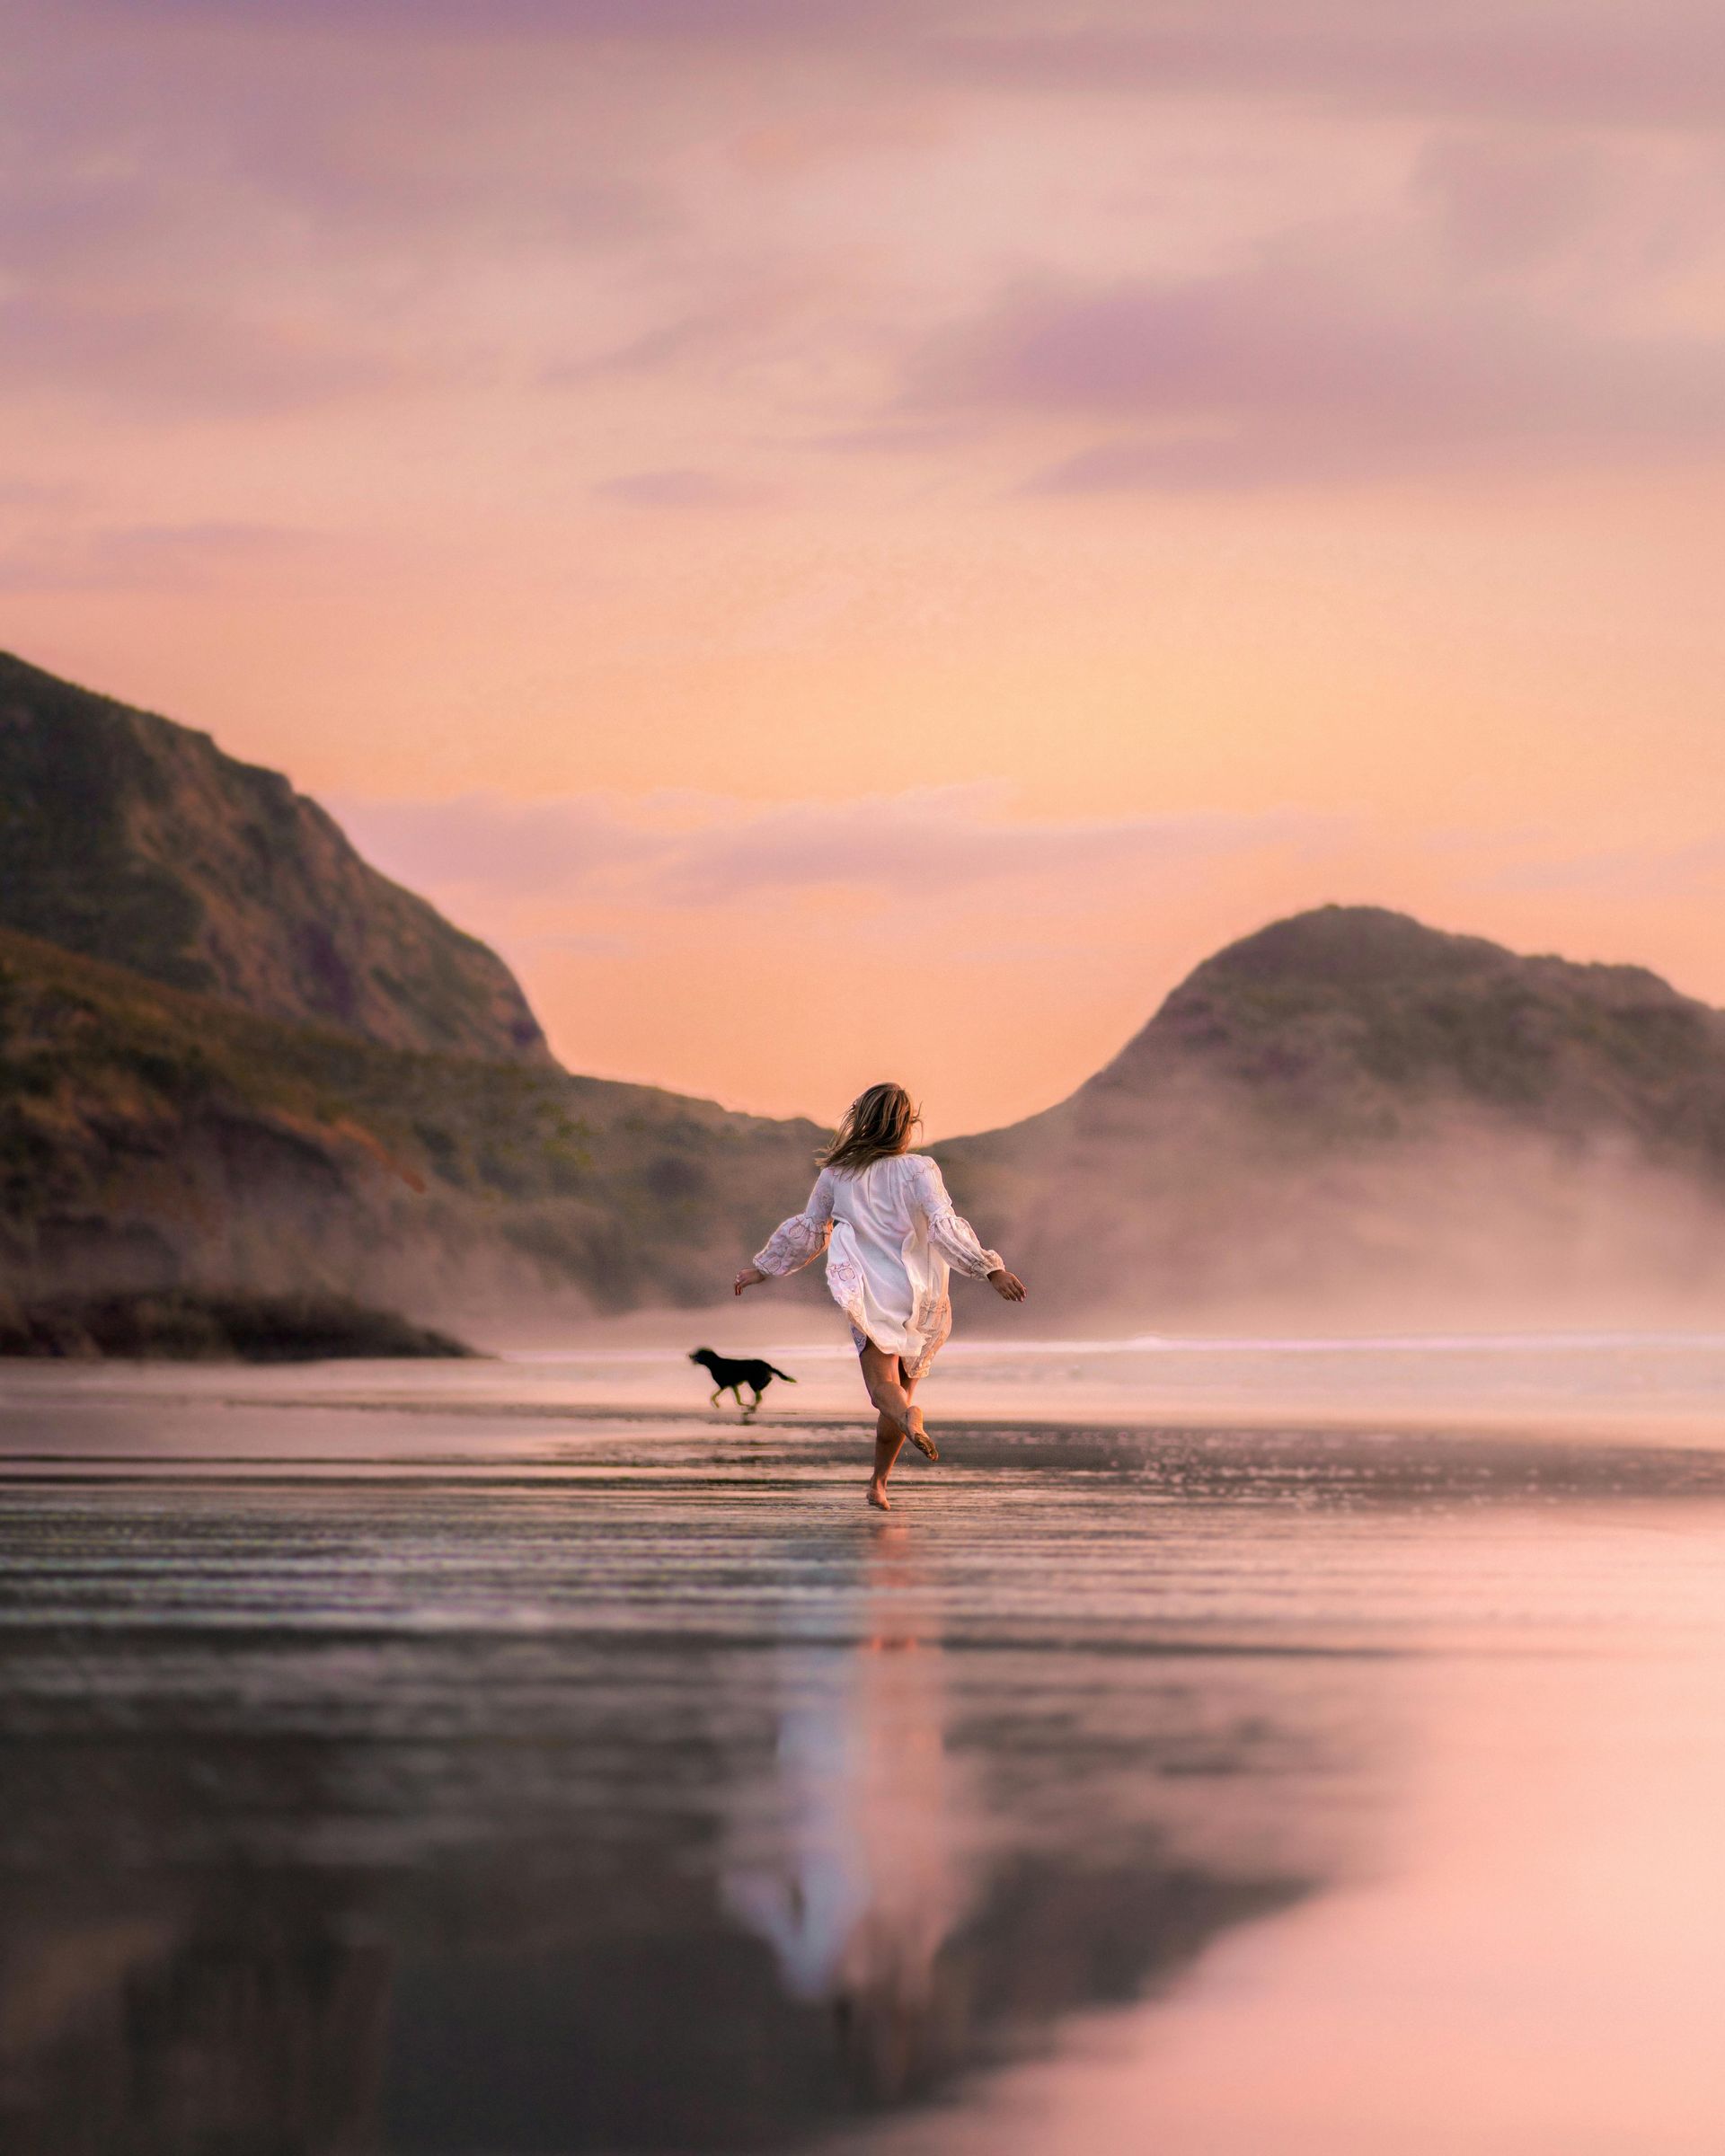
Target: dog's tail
<point>785,1374</point>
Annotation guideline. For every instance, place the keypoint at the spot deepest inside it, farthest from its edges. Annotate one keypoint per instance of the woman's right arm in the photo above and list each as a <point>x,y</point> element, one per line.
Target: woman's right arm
<point>794,1243</point>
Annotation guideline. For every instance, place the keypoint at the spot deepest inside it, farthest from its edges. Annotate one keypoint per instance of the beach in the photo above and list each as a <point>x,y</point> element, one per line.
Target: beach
<point>1230,1746</point>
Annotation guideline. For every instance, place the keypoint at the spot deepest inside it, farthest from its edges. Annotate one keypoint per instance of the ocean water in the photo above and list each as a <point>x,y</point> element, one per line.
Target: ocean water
<point>1230,1747</point>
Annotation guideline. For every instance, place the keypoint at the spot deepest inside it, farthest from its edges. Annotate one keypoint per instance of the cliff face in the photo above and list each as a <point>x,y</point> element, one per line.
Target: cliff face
<point>130,839</point>
<point>1351,1113</point>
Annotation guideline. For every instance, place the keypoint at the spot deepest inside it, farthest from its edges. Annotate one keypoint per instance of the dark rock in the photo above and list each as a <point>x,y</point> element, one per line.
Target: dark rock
<point>187,1325</point>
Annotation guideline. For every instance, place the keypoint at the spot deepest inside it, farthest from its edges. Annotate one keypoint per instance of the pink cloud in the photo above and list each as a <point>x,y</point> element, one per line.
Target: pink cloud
<point>1597,61</point>
<point>678,487</point>
<point>1659,64</point>
<point>700,850</point>
<point>1303,367</point>
<point>636,21</point>
<point>1506,199</point>
<point>178,356</point>
<point>1626,871</point>
<point>143,557</point>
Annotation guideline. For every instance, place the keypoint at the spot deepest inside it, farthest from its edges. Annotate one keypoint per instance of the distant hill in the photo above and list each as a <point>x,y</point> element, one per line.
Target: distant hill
<point>130,839</point>
<point>151,1137</point>
<point>1351,1113</point>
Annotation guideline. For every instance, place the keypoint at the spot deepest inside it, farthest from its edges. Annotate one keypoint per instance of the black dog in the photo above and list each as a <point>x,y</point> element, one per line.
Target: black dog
<point>727,1375</point>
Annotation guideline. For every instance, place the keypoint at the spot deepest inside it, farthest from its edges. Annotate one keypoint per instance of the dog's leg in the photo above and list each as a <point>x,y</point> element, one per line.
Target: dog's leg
<point>717,1390</point>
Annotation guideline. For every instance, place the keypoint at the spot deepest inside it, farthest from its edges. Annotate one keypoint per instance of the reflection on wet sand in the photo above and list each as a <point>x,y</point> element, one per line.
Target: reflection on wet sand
<point>925,1887</point>
<point>850,1861</point>
<point>149,2006</point>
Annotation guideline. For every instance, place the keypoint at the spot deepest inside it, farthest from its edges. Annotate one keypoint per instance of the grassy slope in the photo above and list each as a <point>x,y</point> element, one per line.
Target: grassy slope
<point>1349,1100</point>
<point>149,1134</point>
<point>127,837</point>
<point>1356,1022</point>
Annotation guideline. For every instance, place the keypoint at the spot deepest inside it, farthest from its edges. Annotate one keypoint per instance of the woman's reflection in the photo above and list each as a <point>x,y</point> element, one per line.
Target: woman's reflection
<point>853,1869</point>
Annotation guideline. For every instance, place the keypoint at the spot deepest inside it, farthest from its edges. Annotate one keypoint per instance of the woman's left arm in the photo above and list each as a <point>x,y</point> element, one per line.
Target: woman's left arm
<point>956,1239</point>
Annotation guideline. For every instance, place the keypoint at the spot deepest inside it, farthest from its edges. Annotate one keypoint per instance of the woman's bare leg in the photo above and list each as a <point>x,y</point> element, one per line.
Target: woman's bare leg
<point>890,1389</point>
<point>884,1375</point>
<point>889,1442</point>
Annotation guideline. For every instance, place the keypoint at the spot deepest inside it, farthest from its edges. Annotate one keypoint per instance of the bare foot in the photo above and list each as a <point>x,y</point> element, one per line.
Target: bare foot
<point>878,1497</point>
<point>920,1437</point>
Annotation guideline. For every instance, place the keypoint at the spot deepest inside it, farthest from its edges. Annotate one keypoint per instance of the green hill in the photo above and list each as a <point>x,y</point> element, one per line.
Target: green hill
<point>129,838</point>
<point>1352,1114</point>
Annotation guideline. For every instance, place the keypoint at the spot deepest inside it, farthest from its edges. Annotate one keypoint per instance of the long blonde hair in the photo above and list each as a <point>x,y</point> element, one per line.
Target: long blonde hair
<point>877,1124</point>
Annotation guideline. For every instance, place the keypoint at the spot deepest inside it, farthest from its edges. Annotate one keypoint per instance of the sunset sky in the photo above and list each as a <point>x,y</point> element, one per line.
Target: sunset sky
<point>864,537</point>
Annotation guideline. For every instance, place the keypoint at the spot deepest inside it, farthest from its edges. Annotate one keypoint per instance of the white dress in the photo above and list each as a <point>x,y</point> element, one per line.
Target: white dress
<point>890,1236</point>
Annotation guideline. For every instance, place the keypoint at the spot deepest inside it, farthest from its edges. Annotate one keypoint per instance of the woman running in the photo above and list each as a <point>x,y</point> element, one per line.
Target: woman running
<point>882,1215</point>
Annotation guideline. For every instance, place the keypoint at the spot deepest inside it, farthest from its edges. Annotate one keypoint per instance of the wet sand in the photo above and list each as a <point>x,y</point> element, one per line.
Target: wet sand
<point>518,1758</point>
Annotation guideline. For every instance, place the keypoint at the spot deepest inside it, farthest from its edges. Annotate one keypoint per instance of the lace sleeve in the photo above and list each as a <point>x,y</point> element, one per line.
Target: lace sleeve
<point>951,1234</point>
<point>800,1241</point>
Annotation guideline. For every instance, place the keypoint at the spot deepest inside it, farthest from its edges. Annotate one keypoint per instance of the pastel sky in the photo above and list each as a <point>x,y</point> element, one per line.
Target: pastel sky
<point>862,537</point>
